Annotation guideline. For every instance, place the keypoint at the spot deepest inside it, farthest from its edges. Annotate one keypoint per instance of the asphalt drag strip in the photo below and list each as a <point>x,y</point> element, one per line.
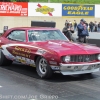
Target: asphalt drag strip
<point>20,82</point>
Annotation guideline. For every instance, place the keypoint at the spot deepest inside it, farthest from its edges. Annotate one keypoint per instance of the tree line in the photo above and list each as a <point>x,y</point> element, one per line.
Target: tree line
<point>14,0</point>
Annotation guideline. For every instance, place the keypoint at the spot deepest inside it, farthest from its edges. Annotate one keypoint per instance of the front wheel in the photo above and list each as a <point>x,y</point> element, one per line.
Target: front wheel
<point>43,69</point>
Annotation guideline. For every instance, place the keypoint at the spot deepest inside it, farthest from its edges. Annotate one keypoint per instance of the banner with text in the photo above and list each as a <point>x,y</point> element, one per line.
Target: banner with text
<point>13,8</point>
<point>45,9</point>
<point>78,10</point>
<point>97,14</point>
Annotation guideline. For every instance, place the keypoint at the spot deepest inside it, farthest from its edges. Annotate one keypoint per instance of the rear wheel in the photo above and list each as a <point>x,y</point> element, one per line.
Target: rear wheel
<point>4,60</point>
<point>43,69</point>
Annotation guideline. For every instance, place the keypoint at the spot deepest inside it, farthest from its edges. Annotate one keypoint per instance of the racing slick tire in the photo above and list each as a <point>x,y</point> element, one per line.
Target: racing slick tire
<point>3,60</point>
<point>43,69</point>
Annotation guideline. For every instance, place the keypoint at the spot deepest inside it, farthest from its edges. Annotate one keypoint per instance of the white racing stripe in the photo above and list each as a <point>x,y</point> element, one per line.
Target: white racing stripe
<point>23,45</point>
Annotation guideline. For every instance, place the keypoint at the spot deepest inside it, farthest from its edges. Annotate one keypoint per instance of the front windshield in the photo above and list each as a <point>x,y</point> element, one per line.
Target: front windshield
<point>45,35</point>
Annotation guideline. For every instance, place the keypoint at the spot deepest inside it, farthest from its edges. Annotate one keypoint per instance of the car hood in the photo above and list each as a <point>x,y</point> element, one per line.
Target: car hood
<point>70,48</point>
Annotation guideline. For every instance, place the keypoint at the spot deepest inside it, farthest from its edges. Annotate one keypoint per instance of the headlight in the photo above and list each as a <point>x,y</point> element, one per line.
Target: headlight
<point>66,59</point>
<point>98,56</point>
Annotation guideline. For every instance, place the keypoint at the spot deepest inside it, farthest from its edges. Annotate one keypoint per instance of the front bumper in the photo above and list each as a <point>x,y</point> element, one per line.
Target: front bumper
<point>70,69</point>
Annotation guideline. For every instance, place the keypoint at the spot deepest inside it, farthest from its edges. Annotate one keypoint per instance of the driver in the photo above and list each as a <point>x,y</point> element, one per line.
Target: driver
<point>32,37</point>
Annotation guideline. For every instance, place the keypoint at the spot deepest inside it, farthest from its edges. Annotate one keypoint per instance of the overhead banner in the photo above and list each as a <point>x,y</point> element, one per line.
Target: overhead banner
<point>78,10</point>
<point>13,8</point>
<point>45,9</point>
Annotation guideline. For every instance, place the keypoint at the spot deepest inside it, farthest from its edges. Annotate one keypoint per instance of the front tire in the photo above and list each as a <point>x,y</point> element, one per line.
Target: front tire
<point>43,69</point>
<point>3,60</point>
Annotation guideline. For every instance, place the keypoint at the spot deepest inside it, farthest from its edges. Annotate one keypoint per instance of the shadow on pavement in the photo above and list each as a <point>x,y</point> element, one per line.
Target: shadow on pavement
<point>57,77</point>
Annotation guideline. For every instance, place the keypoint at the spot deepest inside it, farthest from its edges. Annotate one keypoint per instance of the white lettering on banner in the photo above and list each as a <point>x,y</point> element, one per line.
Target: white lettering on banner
<point>2,7</point>
<point>11,7</point>
<point>15,7</point>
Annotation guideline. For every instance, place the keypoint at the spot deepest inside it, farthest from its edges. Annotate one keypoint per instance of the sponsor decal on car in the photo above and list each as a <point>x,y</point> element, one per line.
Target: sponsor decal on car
<point>40,51</point>
<point>30,62</point>
<point>22,49</point>
<point>21,54</point>
<point>21,59</point>
<point>24,60</point>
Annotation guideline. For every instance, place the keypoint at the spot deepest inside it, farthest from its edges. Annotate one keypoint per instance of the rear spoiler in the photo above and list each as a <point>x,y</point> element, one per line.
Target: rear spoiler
<point>43,24</point>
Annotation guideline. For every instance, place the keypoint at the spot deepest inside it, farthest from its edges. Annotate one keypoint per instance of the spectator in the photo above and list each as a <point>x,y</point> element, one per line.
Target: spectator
<point>70,24</point>
<point>86,23</point>
<point>95,26</point>
<point>66,22</point>
<point>91,25</point>
<point>75,25</point>
<point>99,27</point>
<point>67,30</point>
<point>82,31</point>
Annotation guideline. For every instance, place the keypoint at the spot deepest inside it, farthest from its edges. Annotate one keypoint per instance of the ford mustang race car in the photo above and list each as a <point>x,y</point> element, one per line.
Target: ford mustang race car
<point>48,50</point>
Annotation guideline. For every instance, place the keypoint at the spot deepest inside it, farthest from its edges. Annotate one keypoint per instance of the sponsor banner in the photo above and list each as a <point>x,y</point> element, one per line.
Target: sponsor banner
<point>44,9</point>
<point>97,14</point>
<point>78,10</point>
<point>13,9</point>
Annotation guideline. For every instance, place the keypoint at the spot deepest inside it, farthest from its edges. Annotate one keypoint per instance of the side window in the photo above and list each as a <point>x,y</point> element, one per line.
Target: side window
<point>17,35</point>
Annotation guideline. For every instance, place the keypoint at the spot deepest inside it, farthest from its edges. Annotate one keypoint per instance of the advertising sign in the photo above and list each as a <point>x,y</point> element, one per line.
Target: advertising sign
<point>97,14</point>
<point>44,9</point>
<point>13,9</point>
<point>78,10</point>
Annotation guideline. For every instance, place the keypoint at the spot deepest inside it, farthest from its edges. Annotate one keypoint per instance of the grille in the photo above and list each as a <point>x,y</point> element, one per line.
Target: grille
<point>83,58</point>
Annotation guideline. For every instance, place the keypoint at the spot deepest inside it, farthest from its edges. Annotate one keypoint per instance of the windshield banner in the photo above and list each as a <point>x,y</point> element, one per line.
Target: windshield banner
<point>13,8</point>
<point>78,10</point>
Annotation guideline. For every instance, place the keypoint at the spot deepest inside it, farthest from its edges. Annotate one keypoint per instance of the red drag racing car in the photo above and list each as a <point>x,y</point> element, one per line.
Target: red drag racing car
<point>48,50</point>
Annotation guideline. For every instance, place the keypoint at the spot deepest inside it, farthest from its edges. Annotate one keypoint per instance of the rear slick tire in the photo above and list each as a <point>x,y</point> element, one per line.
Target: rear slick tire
<point>3,60</point>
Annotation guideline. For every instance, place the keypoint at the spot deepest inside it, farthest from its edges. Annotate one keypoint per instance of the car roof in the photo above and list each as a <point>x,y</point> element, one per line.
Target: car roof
<point>28,28</point>
<point>35,28</point>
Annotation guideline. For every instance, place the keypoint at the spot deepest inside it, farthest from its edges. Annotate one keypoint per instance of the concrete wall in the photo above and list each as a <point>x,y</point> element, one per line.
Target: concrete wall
<point>26,21</point>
